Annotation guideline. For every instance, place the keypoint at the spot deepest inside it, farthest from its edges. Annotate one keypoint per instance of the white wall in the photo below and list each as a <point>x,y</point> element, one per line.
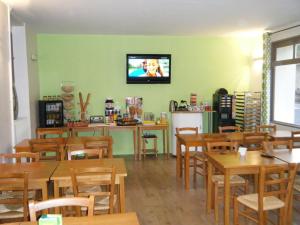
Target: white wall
<point>6,108</point>
<point>22,124</point>
<point>34,83</point>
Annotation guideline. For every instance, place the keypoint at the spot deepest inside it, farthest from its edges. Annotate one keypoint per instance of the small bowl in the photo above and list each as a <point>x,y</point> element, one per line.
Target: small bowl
<point>67,97</point>
<point>68,105</point>
<point>67,88</point>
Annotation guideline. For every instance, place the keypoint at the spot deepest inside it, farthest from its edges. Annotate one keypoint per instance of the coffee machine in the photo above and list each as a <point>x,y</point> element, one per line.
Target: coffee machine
<point>222,104</point>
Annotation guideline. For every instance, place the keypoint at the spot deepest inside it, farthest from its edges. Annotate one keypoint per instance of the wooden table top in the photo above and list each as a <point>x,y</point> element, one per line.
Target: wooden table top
<point>198,139</point>
<point>37,170</point>
<point>110,219</point>
<point>63,169</point>
<point>281,134</point>
<point>80,140</point>
<point>234,160</point>
<point>289,156</point>
<point>25,143</point>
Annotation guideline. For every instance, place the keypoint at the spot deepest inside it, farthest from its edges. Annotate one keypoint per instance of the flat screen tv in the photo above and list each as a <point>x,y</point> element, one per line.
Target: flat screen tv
<point>148,68</point>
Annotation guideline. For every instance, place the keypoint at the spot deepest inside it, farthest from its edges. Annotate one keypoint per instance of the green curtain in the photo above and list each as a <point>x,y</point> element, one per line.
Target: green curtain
<point>266,77</point>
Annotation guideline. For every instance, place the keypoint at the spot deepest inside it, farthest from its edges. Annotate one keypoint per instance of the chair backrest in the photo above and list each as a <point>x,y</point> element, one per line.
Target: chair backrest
<point>53,132</point>
<point>27,156</point>
<point>214,137</point>
<point>44,146</point>
<point>190,130</point>
<point>14,182</point>
<point>296,138</point>
<point>266,128</point>
<point>104,143</point>
<point>60,202</point>
<point>85,153</point>
<point>222,147</point>
<point>254,141</point>
<point>229,129</point>
<point>279,185</point>
<point>273,145</point>
<point>104,177</point>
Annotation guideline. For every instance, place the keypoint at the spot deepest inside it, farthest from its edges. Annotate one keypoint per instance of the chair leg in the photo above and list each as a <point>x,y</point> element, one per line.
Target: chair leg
<point>216,198</point>
<point>246,186</point>
<point>281,217</point>
<point>235,211</point>
<point>261,219</point>
<point>195,168</point>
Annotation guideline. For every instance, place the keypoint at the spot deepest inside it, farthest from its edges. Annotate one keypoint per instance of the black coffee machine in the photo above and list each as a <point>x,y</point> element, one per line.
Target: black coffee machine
<point>222,104</point>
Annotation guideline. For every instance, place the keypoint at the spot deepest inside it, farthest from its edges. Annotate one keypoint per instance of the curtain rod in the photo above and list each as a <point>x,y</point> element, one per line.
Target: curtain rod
<point>278,31</point>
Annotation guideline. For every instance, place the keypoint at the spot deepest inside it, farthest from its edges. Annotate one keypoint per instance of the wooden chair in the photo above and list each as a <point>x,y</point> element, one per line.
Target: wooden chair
<point>273,194</point>
<point>54,132</point>
<point>198,162</point>
<point>104,143</point>
<point>85,154</point>
<point>273,145</point>
<point>254,141</point>
<point>297,191</point>
<point>14,196</point>
<point>229,129</point>
<point>86,182</point>
<point>296,139</point>
<point>266,128</point>
<point>28,156</point>
<point>44,147</point>
<point>88,203</point>
<point>218,180</point>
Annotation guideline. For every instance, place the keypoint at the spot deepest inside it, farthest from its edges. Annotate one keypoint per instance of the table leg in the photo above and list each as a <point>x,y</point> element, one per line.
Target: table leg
<point>209,187</point>
<point>122,194</point>
<point>62,152</point>
<point>187,167</point>
<point>167,142</point>
<point>226,197</point>
<point>45,191</point>
<point>134,142</point>
<point>56,194</point>
<point>140,142</point>
<point>164,142</point>
<point>178,159</point>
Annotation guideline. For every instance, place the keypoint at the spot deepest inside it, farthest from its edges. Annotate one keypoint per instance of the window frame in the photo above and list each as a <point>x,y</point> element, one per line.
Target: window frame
<point>274,45</point>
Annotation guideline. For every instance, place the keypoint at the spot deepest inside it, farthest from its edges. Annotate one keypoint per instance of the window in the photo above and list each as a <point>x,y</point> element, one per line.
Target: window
<point>285,80</point>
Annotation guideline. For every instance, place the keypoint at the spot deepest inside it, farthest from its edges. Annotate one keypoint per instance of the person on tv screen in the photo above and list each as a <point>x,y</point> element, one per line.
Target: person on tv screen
<point>140,71</point>
<point>153,69</point>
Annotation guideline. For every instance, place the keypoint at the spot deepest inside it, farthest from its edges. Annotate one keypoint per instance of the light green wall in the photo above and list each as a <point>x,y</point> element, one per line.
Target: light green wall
<point>97,64</point>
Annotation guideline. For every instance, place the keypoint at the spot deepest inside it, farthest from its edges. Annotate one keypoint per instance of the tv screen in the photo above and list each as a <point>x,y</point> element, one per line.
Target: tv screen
<point>148,68</point>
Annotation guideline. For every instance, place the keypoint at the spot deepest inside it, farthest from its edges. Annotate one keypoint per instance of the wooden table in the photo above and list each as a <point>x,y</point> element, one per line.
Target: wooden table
<point>78,142</point>
<point>165,132</point>
<point>231,164</point>
<point>110,219</point>
<point>134,129</point>
<point>195,140</point>
<point>39,173</point>
<point>62,177</point>
<point>288,156</point>
<point>24,145</point>
<point>281,135</point>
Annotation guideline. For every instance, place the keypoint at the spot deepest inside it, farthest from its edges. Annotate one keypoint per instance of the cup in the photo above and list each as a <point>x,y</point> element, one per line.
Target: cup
<point>242,151</point>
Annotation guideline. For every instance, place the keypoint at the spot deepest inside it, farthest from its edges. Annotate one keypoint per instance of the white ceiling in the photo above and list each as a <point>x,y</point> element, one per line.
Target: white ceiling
<point>155,17</point>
